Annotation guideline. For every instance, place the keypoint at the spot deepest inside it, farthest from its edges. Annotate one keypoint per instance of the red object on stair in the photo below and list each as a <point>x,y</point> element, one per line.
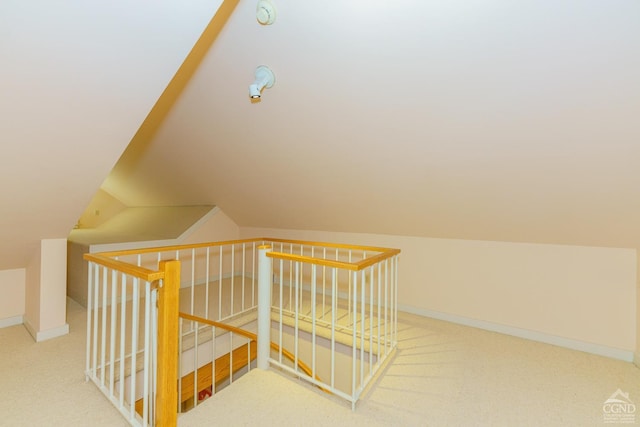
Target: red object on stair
<point>203,394</point>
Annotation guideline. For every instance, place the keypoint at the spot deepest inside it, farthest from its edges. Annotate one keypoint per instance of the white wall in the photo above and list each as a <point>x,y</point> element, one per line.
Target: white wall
<point>102,207</point>
<point>77,80</point>
<point>32,294</point>
<point>53,286</point>
<point>214,227</point>
<point>46,284</point>
<point>217,228</point>
<point>521,113</point>
<point>12,300</point>
<point>637,355</point>
<point>575,296</point>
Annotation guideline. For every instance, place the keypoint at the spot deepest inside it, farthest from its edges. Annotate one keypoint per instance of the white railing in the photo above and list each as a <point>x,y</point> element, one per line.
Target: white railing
<point>221,286</point>
<point>329,305</point>
<point>218,282</point>
<point>221,353</point>
<point>122,341</point>
<point>334,306</point>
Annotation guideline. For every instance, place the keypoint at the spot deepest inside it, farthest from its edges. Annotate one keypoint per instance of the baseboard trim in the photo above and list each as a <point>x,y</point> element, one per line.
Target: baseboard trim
<point>48,334</point>
<point>572,344</point>
<point>11,321</point>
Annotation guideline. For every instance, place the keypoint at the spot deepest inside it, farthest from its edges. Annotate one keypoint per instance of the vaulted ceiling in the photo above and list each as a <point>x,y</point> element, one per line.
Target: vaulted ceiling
<point>494,120</point>
<point>77,80</point>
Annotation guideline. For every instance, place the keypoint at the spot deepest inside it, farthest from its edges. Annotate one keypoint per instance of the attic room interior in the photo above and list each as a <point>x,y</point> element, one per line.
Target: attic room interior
<point>492,143</point>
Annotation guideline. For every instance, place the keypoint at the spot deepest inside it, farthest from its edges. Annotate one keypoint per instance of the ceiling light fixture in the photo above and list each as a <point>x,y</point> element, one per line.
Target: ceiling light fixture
<point>265,12</point>
<point>264,78</point>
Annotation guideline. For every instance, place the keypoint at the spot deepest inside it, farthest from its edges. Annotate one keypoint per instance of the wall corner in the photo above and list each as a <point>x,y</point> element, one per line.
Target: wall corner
<point>46,291</point>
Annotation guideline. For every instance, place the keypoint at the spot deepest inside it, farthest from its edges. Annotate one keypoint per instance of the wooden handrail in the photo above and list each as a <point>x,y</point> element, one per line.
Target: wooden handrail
<point>313,260</point>
<point>179,247</point>
<point>328,244</point>
<point>251,336</point>
<point>355,266</point>
<point>367,262</point>
<point>125,267</point>
<point>226,327</point>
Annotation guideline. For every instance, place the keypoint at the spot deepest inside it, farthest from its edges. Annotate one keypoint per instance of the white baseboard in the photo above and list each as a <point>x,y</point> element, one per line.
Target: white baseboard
<point>48,334</point>
<point>572,344</point>
<point>31,329</point>
<point>11,321</point>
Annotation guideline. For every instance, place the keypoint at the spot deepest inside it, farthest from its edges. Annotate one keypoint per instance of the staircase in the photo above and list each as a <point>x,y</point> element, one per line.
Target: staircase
<point>167,326</point>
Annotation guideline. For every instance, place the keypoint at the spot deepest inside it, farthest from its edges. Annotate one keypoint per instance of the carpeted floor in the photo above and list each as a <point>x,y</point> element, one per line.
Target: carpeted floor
<point>443,375</point>
<point>43,384</point>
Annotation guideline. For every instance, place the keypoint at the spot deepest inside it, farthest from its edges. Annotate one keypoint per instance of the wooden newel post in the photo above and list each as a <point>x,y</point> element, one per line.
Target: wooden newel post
<point>168,308</point>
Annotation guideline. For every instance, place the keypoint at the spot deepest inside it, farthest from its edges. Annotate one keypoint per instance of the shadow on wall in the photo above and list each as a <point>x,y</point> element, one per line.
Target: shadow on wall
<point>117,179</point>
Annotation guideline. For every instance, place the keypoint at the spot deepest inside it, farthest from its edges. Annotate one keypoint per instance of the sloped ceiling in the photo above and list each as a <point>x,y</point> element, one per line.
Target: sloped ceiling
<point>143,225</point>
<point>495,120</point>
<point>77,79</point>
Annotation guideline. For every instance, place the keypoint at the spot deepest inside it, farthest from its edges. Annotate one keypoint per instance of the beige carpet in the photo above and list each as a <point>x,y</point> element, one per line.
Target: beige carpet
<point>43,384</point>
<point>443,375</point>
